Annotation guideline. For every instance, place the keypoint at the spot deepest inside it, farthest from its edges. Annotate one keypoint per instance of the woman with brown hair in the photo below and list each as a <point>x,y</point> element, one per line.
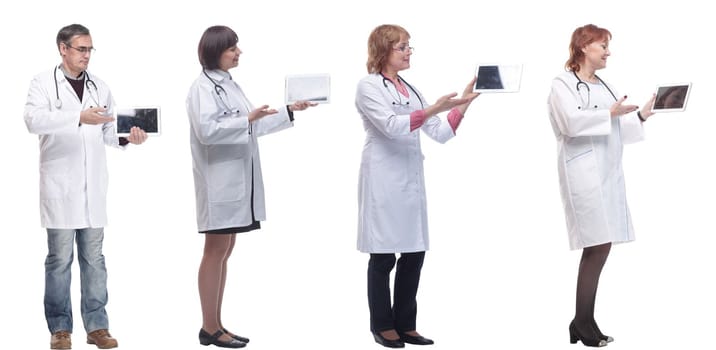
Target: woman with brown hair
<point>225,128</point>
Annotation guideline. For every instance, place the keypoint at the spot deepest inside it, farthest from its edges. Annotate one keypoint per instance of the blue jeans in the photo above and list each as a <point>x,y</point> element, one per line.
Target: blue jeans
<point>58,274</point>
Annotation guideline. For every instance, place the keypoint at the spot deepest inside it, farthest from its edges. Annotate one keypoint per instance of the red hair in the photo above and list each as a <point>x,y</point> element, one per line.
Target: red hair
<point>582,37</point>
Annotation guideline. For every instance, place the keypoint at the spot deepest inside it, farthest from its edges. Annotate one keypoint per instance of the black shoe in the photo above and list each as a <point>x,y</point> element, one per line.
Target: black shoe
<point>607,338</point>
<point>237,337</point>
<point>574,335</point>
<point>387,342</point>
<point>213,339</point>
<point>419,340</point>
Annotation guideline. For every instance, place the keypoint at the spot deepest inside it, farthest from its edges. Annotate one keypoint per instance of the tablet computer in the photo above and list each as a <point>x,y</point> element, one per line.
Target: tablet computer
<point>147,118</point>
<point>308,87</point>
<point>498,78</point>
<point>671,97</point>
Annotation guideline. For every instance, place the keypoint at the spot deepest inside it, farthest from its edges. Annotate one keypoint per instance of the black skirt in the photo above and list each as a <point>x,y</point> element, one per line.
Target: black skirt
<point>222,231</point>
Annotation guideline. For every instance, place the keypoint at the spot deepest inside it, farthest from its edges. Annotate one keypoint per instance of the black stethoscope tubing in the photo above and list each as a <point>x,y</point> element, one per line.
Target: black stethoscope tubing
<point>589,91</point>
<point>220,89</point>
<point>396,88</point>
<point>88,82</point>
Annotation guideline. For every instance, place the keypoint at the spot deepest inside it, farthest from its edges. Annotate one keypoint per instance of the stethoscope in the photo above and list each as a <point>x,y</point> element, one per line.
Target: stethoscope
<point>88,82</point>
<point>398,100</point>
<point>589,91</point>
<point>219,90</point>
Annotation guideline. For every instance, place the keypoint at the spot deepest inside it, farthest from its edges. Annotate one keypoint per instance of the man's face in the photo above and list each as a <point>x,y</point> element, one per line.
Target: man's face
<point>76,54</point>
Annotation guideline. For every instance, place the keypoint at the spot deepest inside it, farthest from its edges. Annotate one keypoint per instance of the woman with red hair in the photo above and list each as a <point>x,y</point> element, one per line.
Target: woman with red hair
<point>591,124</point>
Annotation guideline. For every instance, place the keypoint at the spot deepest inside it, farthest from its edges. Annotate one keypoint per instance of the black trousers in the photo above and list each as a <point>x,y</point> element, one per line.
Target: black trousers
<point>401,315</point>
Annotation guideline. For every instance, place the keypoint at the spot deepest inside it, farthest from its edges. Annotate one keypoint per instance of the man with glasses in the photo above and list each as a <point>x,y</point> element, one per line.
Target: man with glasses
<point>70,109</point>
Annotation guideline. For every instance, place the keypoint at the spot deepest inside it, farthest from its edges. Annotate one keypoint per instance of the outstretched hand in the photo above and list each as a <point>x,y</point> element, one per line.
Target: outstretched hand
<point>261,112</point>
<point>95,116</point>
<point>447,103</point>
<point>618,108</point>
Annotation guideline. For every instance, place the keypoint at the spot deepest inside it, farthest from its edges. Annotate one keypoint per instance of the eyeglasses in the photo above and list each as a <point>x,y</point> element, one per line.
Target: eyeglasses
<point>82,49</point>
<point>404,48</point>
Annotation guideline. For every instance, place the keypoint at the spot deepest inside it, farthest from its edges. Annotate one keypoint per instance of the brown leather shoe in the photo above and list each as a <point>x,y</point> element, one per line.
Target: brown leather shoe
<point>102,339</point>
<point>61,340</point>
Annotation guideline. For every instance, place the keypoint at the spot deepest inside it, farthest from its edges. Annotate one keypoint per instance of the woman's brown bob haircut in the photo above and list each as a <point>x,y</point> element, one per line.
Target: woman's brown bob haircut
<point>213,43</point>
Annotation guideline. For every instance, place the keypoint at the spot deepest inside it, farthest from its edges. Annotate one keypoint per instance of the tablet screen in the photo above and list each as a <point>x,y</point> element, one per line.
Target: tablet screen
<point>671,98</point>
<point>308,87</point>
<point>147,118</point>
<point>498,78</point>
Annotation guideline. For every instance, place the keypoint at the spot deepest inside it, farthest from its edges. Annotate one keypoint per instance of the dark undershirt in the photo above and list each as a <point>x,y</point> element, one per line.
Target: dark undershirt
<point>79,86</point>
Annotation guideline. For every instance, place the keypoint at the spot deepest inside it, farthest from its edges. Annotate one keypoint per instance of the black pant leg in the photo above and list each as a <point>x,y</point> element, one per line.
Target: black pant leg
<point>407,278</point>
<point>379,268</point>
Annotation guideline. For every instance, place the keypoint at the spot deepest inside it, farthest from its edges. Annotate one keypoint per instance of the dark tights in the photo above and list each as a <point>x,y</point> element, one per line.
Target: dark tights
<point>590,268</point>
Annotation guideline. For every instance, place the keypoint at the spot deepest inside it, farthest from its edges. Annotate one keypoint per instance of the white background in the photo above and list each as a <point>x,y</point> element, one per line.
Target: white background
<point>499,274</point>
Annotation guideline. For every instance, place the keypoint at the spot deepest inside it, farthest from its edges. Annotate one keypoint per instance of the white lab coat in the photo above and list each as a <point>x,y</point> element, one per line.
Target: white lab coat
<point>225,153</point>
<point>589,145</point>
<point>73,164</point>
<point>392,212</point>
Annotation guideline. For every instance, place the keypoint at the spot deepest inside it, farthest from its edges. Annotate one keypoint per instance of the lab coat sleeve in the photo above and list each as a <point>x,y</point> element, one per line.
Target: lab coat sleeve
<point>572,121</point>
<point>371,104</point>
<point>40,116</point>
<point>632,129</point>
<point>208,121</point>
<point>436,127</point>
<point>272,123</point>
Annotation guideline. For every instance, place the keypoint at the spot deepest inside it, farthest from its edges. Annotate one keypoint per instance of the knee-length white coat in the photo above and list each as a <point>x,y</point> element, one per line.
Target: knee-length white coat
<point>589,147</point>
<point>392,210</point>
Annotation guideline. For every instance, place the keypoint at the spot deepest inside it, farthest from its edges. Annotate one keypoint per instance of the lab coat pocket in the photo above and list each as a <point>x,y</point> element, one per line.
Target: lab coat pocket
<point>54,186</point>
<point>226,181</point>
<point>582,174</point>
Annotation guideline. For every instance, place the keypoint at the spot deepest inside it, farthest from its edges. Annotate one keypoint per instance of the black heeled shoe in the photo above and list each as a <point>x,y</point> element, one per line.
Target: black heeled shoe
<point>419,340</point>
<point>397,343</point>
<point>601,335</point>
<point>237,337</point>
<point>213,339</point>
<point>574,335</point>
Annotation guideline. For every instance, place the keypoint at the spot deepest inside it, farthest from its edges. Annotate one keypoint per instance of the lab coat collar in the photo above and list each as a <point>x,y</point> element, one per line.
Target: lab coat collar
<point>219,75</point>
<point>64,74</point>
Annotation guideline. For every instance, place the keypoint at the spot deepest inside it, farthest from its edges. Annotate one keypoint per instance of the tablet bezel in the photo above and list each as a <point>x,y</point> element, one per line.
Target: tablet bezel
<point>512,89</point>
<point>159,119</point>
<point>294,77</point>
<point>667,110</point>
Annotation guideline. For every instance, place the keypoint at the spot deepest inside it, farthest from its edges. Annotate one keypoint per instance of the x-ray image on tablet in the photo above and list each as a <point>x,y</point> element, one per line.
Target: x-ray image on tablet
<point>147,118</point>
<point>308,87</point>
<point>671,98</point>
<point>498,78</point>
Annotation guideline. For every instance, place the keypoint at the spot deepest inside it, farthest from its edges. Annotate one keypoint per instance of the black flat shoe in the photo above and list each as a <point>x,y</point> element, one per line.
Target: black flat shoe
<point>574,335</point>
<point>387,342</point>
<point>213,339</point>
<point>419,340</point>
<point>237,337</point>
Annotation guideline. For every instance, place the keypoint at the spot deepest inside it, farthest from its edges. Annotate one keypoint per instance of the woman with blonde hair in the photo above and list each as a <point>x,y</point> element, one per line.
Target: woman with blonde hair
<point>392,204</point>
